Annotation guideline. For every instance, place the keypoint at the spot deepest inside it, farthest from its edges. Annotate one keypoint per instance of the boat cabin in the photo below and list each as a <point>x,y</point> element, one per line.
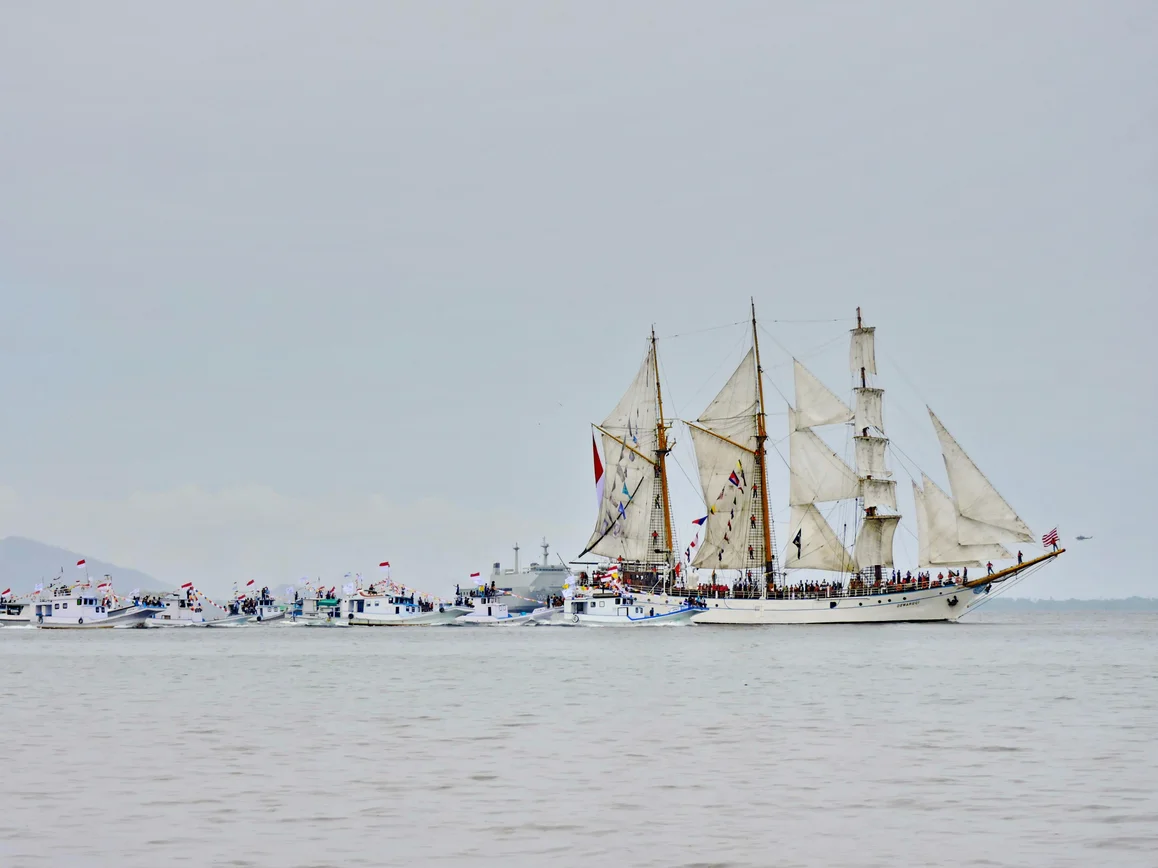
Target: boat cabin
<point>84,607</point>
<point>604,605</point>
<point>381,605</point>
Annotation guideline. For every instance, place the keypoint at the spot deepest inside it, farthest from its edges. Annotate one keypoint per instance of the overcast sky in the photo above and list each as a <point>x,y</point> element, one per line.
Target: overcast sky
<point>291,288</point>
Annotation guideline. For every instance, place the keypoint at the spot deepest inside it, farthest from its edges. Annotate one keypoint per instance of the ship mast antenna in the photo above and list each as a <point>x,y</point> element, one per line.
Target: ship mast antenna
<point>761,438</point>
<point>661,453</point>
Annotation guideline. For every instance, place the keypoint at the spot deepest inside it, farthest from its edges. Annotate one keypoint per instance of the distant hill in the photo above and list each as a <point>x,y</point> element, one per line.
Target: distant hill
<point>26,562</point>
<point>1120,604</point>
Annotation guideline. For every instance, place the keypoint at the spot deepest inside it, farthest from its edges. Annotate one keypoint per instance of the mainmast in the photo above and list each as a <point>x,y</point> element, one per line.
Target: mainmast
<point>730,439</point>
<point>761,439</point>
<point>661,453</point>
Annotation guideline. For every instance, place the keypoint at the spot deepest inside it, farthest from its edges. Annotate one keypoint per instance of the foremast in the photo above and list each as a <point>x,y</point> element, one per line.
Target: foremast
<point>819,476</point>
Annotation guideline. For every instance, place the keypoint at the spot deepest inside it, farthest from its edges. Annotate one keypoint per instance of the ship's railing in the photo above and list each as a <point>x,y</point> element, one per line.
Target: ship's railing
<point>808,592</point>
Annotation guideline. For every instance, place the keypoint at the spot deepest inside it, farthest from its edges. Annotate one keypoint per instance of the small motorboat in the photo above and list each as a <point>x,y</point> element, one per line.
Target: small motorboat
<point>489,611</point>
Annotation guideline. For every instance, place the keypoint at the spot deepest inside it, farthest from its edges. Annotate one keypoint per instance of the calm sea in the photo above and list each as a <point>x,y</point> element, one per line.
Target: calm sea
<point>1012,739</point>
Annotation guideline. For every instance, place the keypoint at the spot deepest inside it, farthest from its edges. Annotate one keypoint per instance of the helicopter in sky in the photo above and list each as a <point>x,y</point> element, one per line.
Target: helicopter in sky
<point>1083,537</point>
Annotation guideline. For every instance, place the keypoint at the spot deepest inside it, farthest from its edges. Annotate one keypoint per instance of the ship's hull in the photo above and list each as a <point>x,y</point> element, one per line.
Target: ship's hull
<point>135,617</point>
<point>422,619</point>
<point>930,604</point>
<point>241,620</point>
<point>476,620</point>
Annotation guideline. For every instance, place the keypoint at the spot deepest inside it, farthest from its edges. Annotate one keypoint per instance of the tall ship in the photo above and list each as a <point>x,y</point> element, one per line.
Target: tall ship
<point>735,572</point>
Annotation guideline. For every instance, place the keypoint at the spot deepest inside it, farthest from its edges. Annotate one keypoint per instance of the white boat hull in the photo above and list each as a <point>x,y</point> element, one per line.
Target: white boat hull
<point>476,620</point>
<point>930,604</point>
<point>230,621</point>
<point>134,617</point>
<point>316,621</point>
<point>404,619</point>
<point>678,616</point>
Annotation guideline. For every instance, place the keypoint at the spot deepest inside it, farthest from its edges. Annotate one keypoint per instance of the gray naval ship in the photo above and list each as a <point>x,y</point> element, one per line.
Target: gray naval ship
<point>532,586</point>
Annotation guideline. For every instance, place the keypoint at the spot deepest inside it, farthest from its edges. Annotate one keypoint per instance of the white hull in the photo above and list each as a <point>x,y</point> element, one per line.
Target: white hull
<point>404,619</point>
<point>930,604</point>
<point>135,617</point>
<point>16,620</point>
<point>266,617</point>
<point>679,616</point>
<point>315,621</point>
<point>230,621</point>
<point>476,620</point>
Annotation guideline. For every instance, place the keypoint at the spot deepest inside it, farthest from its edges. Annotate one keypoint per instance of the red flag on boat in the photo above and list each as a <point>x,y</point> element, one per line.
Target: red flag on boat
<point>250,582</point>
<point>6,592</point>
<point>385,565</point>
<point>80,564</point>
<point>186,586</point>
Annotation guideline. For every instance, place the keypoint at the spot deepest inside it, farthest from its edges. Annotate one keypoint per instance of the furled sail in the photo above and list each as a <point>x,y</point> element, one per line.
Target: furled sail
<point>870,410</point>
<point>815,402</point>
<point>724,439</point>
<point>939,542</point>
<point>870,456</point>
<point>817,473</point>
<point>813,544</point>
<point>862,351</point>
<point>984,515</point>
<point>630,487</point>
<point>874,543</point>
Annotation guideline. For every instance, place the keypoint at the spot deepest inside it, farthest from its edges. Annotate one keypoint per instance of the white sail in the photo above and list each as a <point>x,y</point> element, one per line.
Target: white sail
<point>732,413</point>
<point>939,544</point>
<point>985,517</point>
<point>817,473</point>
<point>862,352</point>
<point>870,456</point>
<point>879,492</point>
<point>813,544</point>
<point>874,543</point>
<point>815,402</point>
<point>629,439</point>
<point>870,410</point>
<point>922,526</point>
<point>730,505</point>
<point>724,438</point>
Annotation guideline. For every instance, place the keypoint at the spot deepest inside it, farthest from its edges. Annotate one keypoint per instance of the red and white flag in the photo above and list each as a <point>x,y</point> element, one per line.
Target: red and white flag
<point>1050,539</point>
<point>104,585</point>
<point>186,586</point>
<point>385,565</point>
<point>80,564</point>
<point>250,582</point>
<point>7,591</point>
